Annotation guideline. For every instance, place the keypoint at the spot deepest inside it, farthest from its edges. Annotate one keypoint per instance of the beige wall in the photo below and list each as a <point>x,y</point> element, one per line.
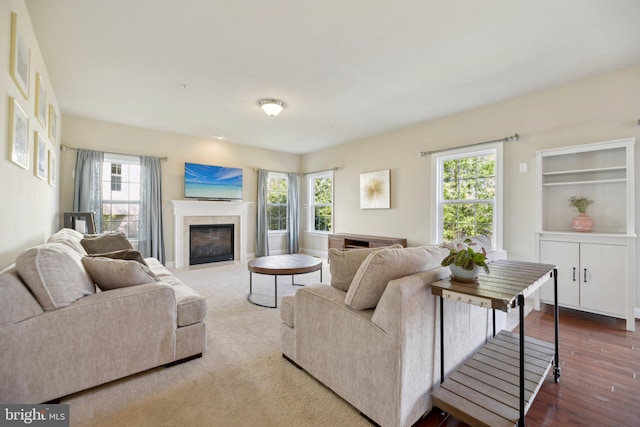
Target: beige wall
<point>597,109</point>
<point>110,137</point>
<point>29,212</point>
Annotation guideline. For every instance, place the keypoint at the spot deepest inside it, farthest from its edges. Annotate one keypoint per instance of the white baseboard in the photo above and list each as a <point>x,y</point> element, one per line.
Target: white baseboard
<point>313,252</point>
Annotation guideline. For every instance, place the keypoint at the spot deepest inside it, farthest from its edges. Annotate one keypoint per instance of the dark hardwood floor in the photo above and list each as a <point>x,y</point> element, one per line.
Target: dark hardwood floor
<point>600,383</point>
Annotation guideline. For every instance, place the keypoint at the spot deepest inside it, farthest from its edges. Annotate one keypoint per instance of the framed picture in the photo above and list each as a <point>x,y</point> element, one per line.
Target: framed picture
<point>41,101</point>
<point>53,124</point>
<point>18,134</point>
<point>41,156</point>
<point>20,57</point>
<point>374,190</point>
<point>52,168</point>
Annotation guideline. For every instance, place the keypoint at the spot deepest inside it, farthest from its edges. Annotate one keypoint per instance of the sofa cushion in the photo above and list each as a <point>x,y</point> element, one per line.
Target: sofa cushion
<point>55,275</point>
<point>16,302</point>
<point>107,242</point>
<point>69,237</point>
<point>110,273</point>
<point>286,310</point>
<point>380,267</point>
<point>343,264</point>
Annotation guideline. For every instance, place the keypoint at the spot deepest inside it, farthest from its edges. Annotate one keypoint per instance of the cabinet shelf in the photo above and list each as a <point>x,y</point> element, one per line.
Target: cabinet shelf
<point>590,170</point>
<point>593,181</point>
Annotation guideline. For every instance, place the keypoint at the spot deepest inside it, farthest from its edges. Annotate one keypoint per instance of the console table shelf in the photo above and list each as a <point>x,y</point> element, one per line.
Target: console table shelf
<point>485,390</point>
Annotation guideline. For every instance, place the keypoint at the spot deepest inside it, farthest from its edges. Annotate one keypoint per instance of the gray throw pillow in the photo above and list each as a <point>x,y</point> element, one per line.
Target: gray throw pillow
<point>107,242</point>
<point>110,273</point>
<point>343,264</point>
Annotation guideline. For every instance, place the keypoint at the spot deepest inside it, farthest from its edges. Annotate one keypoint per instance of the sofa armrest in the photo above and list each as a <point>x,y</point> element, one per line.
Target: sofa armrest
<point>97,339</point>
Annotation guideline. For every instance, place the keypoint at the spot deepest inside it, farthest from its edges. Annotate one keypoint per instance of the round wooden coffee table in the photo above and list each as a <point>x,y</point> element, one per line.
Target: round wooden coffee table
<point>281,265</point>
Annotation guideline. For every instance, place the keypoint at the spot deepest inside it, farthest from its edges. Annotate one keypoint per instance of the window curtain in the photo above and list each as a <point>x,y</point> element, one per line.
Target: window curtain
<point>151,240</point>
<point>292,212</point>
<point>262,229</point>
<point>87,190</point>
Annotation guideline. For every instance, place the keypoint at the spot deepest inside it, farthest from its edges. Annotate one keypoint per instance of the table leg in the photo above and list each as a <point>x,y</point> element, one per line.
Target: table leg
<point>521,306</point>
<point>275,302</point>
<point>441,339</point>
<point>556,357</point>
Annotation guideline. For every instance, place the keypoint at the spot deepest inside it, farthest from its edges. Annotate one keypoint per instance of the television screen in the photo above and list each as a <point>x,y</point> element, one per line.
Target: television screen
<point>212,182</point>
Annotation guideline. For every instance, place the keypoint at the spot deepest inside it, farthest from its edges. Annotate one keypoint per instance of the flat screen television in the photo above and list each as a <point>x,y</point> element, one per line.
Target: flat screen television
<point>212,182</point>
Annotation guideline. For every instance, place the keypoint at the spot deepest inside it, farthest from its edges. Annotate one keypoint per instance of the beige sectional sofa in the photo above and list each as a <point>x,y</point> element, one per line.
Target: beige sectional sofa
<point>373,335</point>
<point>60,334</point>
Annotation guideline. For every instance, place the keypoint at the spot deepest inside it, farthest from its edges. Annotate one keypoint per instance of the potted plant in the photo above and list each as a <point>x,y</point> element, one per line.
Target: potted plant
<point>464,262</point>
<point>582,222</point>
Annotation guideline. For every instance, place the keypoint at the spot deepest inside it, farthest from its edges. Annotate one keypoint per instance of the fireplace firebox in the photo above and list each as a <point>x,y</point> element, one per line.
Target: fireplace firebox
<point>210,243</point>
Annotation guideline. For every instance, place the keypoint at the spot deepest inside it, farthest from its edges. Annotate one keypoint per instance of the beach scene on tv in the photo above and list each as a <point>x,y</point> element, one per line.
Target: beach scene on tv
<point>212,182</point>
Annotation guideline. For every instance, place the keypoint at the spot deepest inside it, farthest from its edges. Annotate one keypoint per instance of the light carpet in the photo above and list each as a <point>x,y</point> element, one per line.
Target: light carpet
<point>241,380</point>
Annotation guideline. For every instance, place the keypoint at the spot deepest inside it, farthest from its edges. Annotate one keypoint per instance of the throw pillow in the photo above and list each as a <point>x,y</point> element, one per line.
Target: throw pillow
<point>126,254</point>
<point>343,265</point>
<point>55,275</point>
<point>110,273</point>
<point>380,267</point>
<point>107,242</point>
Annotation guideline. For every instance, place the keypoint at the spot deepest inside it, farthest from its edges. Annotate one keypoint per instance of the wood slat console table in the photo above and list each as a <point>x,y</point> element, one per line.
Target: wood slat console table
<point>497,384</point>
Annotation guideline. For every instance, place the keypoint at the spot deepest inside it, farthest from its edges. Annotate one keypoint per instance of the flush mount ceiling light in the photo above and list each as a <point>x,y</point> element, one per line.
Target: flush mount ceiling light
<point>272,107</point>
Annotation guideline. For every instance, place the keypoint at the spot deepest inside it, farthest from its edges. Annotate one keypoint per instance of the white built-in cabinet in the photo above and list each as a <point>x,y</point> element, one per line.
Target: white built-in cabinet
<point>596,270</point>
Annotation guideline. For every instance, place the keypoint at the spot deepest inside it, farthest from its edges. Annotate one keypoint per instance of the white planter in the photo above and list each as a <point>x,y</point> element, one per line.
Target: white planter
<point>464,274</point>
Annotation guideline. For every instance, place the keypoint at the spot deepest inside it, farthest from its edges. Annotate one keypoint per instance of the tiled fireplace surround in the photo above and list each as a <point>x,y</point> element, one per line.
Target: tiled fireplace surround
<point>194,212</point>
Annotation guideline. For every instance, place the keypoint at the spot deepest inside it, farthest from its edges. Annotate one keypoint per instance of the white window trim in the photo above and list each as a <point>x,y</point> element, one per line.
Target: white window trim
<point>310,199</point>
<point>437,160</point>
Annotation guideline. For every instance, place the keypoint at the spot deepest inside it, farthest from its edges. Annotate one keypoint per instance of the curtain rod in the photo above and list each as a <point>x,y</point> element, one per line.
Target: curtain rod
<point>511,138</point>
<point>66,147</point>
<point>299,174</point>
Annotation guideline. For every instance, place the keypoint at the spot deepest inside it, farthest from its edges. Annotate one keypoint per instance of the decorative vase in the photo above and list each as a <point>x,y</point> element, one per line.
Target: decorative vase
<point>461,273</point>
<point>582,223</point>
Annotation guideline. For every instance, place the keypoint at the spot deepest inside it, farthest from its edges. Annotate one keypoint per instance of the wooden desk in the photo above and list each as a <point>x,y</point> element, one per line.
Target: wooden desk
<point>497,384</point>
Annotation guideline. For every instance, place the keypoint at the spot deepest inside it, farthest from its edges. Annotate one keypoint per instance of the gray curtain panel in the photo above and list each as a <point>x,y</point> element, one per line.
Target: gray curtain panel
<point>151,239</point>
<point>87,190</point>
<point>292,213</point>
<point>262,231</point>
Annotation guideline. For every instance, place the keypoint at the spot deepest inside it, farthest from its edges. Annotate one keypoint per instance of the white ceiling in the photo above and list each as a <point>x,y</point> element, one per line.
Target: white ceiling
<point>347,69</point>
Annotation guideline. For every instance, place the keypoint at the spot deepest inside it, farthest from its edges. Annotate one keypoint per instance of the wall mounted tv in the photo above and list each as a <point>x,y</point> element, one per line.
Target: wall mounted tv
<point>212,182</point>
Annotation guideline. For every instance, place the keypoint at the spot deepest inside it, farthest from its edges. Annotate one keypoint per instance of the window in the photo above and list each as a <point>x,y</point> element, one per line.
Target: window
<point>121,195</point>
<point>320,195</point>
<point>468,193</point>
<point>277,202</point>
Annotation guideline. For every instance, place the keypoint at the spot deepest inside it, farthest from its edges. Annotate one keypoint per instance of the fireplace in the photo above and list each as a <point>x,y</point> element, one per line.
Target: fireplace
<point>211,243</point>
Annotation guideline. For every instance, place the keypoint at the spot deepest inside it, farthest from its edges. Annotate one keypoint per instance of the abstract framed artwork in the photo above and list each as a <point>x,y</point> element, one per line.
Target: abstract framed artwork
<point>41,156</point>
<point>41,101</point>
<point>20,57</point>
<point>375,190</point>
<point>52,168</point>
<point>53,124</point>
<point>18,134</point>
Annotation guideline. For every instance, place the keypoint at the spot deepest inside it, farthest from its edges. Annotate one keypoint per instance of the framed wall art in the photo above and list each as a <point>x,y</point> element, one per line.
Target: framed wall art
<point>52,168</point>
<point>53,124</point>
<point>18,134</point>
<point>20,57</point>
<point>41,101</point>
<point>375,190</point>
<point>41,156</point>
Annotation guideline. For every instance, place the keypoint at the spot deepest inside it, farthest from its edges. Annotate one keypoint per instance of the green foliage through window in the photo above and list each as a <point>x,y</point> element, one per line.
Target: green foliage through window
<point>277,203</point>
<point>468,196</point>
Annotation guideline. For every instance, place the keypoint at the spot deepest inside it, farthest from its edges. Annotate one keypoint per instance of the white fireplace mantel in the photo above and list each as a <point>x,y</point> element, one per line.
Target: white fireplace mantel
<point>197,208</point>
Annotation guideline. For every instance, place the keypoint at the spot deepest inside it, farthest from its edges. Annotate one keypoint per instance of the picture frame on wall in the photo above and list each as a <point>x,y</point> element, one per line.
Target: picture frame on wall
<point>18,134</point>
<point>52,168</point>
<point>53,125</point>
<point>41,156</point>
<point>20,56</point>
<point>375,190</point>
<point>41,101</point>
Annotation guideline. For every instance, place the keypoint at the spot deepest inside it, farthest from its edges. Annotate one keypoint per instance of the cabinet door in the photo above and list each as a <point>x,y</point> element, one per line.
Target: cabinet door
<point>605,269</point>
<point>566,256</point>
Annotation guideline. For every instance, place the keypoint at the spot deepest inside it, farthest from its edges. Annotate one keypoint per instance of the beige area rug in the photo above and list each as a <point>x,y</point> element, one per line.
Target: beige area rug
<point>241,380</point>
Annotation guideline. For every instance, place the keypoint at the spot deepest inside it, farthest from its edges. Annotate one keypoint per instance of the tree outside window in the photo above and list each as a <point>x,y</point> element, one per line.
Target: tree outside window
<point>320,202</point>
<point>467,195</point>
<point>277,202</point>
<point>121,195</point>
